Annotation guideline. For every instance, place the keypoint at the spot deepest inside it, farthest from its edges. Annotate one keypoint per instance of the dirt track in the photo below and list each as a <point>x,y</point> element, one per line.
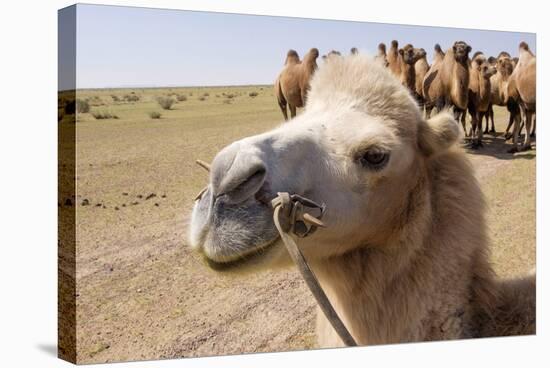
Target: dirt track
<point>141,294</point>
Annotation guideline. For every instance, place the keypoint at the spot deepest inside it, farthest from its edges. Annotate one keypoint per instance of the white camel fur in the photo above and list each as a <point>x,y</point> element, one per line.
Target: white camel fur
<point>404,256</point>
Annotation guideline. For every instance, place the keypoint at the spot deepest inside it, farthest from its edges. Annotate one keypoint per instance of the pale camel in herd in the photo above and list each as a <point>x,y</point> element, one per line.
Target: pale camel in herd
<point>499,89</point>
<point>522,88</point>
<point>393,59</point>
<point>421,67</point>
<point>381,56</point>
<point>292,84</point>
<point>404,255</point>
<point>490,113</point>
<point>479,95</point>
<point>450,79</point>
<point>431,84</point>
<point>331,54</point>
<point>408,56</point>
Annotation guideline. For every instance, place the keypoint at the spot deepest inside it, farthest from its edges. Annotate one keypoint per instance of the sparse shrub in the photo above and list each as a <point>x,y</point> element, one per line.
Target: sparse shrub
<point>155,115</point>
<point>253,94</point>
<point>132,97</point>
<point>202,98</point>
<point>82,106</point>
<point>104,115</point>
<point>115,98</point>
<point>181,98</point>
<point>93,101</point>
<point>206,94</point>
<point>227,101</point>
<point>165,102</point>
<point>190,93</point>
<point>230,95</point>
<point>217,96</point>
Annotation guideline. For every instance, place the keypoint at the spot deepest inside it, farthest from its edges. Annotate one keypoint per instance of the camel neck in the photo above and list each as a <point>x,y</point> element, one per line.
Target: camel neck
<point>367,286</point>
<point>408,76</point>
<point>460,83</point>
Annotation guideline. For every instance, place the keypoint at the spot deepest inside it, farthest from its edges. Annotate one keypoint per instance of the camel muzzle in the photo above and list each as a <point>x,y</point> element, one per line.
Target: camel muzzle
<point>299,216</point>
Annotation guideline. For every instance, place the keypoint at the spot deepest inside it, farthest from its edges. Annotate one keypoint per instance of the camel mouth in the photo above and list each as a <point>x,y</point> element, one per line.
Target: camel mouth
<point>227,234</point>
<point>250,256</point>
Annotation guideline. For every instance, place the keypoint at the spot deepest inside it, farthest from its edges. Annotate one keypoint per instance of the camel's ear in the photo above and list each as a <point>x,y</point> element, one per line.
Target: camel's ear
<point>437,134</point>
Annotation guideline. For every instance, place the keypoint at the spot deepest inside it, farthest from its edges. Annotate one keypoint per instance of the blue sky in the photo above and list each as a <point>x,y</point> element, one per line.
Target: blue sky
<point>134,47</point>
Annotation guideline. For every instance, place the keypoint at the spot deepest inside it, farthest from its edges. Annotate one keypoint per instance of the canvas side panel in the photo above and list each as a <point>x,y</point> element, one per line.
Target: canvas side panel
<point>66,171</point>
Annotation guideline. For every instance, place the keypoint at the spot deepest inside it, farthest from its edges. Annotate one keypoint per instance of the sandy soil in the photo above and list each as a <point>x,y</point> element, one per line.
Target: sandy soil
<point>141,293</point>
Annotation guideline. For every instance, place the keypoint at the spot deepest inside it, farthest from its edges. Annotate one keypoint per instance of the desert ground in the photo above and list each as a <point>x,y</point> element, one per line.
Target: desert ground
<point>142,294</point>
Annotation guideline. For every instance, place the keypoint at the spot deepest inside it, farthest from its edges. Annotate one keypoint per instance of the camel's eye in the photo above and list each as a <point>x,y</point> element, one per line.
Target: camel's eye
<point>374,159</point>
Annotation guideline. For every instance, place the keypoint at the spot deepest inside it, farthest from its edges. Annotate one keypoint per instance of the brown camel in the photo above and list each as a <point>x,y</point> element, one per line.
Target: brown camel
<point>450,81</point>
<point>522,88</point>
<point>404,256</point>
<point>393,59</point>
<point>292,84</point>
<point>431,84</point>
<point>381,57</point>
<point>479,95</point>
<point>421,67</point>
<point>499,89</point>
<point>408,56</point>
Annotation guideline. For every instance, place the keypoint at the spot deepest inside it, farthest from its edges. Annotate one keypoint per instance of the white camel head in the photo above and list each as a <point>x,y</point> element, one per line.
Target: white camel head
<point>361,146</point>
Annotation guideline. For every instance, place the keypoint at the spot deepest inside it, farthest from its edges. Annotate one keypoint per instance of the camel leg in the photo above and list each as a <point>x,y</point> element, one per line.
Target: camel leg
<point>527,141</point>
<point>476,129</point>
<point>463,121</point>
<point>515,134</point>
<point>480,129</point>
<point>460,116</point>
<point>534,131</point>
<point>510,122</point>
<point>513,109</point>
<point>282,105</point>
<point>491,114</point>
<point>292,110</point>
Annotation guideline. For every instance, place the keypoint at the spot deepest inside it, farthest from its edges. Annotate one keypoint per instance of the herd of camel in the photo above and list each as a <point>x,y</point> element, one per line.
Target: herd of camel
<point>454,79</point>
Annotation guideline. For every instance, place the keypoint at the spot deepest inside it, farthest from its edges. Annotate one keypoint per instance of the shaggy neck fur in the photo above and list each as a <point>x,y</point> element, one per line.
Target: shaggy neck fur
<point>484,92</point>
<point>459,88</point>
<point>408,76</point>
<point>393,289</point>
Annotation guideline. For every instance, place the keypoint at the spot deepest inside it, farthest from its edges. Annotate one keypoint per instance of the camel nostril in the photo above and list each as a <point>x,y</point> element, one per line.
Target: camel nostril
<point>247,188</point>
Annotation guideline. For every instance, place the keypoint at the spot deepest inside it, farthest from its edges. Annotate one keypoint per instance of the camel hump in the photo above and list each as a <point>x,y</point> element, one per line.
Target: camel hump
<point>292,57</point>
<point>382,47</point>
<point>312,55</point>
<point>437,48</point>
<point>394,44</point>
<point>476,54</point>
<point>524,46</point>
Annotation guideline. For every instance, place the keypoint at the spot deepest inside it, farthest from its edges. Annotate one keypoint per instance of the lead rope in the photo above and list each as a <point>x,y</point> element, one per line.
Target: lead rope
<point>303,224</point>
